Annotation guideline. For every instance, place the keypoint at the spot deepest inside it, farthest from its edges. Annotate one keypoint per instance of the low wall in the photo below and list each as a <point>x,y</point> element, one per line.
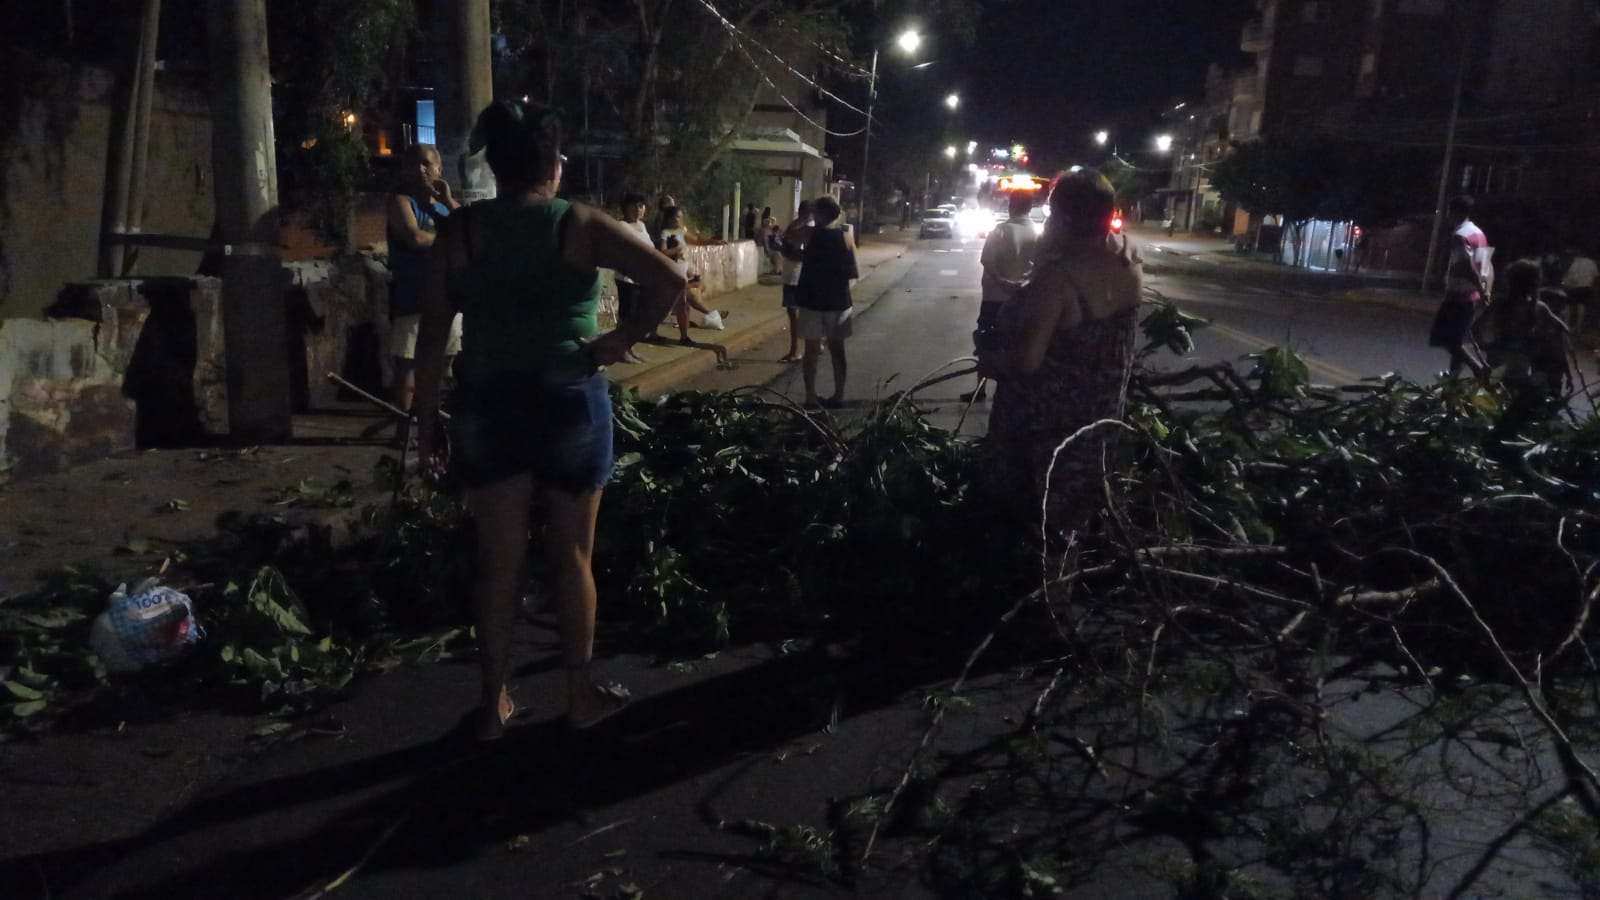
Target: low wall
<point>722,267</point>
<point>140,363</point>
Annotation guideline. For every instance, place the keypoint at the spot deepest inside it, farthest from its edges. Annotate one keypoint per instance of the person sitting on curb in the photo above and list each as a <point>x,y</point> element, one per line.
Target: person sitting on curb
<point>673,243</point>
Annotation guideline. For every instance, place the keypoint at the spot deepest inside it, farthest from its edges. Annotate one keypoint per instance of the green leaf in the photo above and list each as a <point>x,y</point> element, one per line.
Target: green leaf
<point>31,708</point>
<point>21,691</point>
<point>281,616</point>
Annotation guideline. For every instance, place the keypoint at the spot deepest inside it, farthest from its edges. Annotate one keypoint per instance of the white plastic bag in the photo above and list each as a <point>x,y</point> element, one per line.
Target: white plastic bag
<point>713,320</point>
<point>150,625</point>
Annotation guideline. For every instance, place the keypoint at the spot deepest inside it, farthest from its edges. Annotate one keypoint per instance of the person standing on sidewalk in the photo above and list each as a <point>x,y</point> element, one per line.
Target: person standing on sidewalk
<point>532,410</point>
<point>1468,280</point>
<point>747,223</point>
<point>633,207</point>
<point>413,216</point>
<point>1578,280</point>
<point>793,248</point>
<point>1007,260</point>
<point>823,297</point>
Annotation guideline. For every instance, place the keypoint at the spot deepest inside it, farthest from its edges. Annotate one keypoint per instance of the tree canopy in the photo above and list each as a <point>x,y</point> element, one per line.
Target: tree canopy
<point>1304,177</point>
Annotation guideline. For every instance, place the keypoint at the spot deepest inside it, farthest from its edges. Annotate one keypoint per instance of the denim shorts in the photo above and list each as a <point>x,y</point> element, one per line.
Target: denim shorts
<point>557,430</point>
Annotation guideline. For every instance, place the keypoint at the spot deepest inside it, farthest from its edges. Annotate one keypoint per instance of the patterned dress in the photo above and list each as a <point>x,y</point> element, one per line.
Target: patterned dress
<point>1084,378</point>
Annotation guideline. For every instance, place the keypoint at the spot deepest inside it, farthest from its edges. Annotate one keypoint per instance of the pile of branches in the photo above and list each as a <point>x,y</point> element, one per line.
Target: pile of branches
<point>1272,553</point>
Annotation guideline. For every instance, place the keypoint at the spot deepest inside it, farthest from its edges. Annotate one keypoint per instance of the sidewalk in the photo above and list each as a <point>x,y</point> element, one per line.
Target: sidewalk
<point>756,314</point>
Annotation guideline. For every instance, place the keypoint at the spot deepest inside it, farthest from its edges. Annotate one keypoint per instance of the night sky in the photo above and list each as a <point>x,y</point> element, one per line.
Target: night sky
<point>1048,73</point>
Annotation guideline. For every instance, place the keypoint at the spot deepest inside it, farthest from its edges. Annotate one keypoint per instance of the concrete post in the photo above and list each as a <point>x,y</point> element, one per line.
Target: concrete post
<point>253,327</point>
<point>466,86</point>
<point>141,138</point>
<point>738,213</point>
<point>120,189</point>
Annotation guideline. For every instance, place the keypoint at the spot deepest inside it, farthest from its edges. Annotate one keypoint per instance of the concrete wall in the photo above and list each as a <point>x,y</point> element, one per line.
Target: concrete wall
<point>125,363</point>
<point>53,165</point>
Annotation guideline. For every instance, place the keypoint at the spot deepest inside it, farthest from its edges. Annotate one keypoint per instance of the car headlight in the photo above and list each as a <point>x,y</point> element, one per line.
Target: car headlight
<point>973,221</point>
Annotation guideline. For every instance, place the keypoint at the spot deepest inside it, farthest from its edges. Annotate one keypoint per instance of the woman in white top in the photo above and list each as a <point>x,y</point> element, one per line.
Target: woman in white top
<point>674,243</point>
<point>633,207</point>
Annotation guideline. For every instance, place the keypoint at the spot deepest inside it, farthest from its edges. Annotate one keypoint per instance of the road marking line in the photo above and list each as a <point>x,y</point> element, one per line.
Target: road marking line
<point>1326,369</point>
<point>949,272</point>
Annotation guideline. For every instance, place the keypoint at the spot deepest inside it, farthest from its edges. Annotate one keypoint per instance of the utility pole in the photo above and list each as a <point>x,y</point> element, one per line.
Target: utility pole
<point>1449,148</point>
<point>125,197</point>
<point>866,144</point>
<point>466,86</point>
<point>246,175</point>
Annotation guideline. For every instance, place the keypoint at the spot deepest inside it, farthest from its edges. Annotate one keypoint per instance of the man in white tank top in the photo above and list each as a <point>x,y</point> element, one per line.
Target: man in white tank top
<point>1007,262</point>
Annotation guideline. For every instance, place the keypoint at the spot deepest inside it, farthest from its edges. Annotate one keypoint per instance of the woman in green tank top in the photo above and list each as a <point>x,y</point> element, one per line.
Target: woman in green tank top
<point>531,411</point>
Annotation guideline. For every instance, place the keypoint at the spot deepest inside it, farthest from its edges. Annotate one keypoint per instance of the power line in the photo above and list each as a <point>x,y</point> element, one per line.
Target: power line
<point>739,38</point>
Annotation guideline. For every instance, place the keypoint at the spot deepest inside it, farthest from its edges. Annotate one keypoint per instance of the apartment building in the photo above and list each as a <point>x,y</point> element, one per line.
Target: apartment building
<point>782,144</point>
<point>1387,71</point>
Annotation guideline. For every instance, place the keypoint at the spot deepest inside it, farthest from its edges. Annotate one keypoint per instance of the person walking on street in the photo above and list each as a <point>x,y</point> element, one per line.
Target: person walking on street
<point>532,410</point>
<point>1007,260</point>
<point>1578,280</point>
<point>1468,279</point>
<point>413,216</point>
<point>823,297</point>
<point>793,249</point>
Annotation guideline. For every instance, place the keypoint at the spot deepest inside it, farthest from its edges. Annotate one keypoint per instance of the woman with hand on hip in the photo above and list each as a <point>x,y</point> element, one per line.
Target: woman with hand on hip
<point>1061,355</point>
<point>531,411</point>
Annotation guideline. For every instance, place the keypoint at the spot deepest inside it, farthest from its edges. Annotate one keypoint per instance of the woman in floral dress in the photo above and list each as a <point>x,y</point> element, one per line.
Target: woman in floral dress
<point>1061,357</point>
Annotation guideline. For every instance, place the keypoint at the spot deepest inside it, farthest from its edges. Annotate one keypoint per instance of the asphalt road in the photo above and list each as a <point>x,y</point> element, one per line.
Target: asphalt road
<point>923,321</point>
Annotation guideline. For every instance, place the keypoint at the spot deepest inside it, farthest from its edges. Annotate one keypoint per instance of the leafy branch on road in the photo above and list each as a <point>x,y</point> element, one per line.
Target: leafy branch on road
<point>1315,622</point>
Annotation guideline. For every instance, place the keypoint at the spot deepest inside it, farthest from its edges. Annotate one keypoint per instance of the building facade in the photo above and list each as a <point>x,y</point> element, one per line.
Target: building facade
<point>1526,141</point>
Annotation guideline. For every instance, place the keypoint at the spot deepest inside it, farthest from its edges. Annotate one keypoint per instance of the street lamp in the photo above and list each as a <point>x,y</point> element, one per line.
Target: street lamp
<point>953,101</point>
<point>908,41</point>
<point>1101,136</point>
<point>1164,143</point>
<point>950,152</point>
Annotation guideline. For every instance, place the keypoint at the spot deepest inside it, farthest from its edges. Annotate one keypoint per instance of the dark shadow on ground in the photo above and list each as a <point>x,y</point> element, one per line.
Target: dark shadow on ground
<point>457,799</point>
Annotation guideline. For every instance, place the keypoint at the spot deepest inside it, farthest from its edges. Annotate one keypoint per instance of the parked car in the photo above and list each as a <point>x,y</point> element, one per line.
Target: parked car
<point>937,223</point>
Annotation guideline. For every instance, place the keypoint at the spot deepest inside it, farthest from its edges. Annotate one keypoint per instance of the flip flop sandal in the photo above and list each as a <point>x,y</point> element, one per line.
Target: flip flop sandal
<point>614,699</point>
<point>489,733</point>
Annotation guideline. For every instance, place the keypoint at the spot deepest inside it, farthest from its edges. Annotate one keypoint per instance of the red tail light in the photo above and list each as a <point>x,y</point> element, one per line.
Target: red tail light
<point>1116,224</point>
